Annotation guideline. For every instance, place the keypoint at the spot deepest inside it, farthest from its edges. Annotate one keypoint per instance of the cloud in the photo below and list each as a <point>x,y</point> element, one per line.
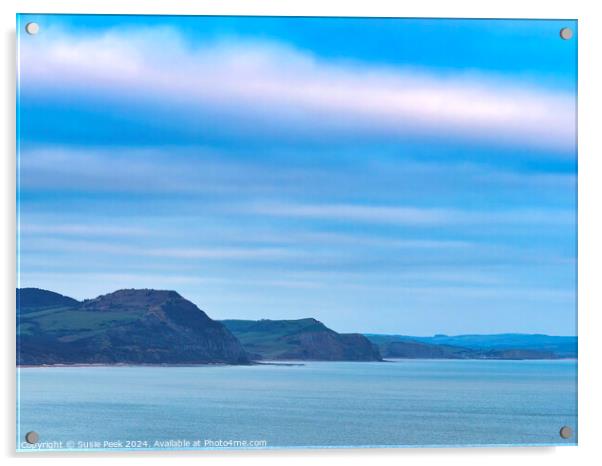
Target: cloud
<point>115,170</point>
<point>355,239</point>
<point>109,281</point>
<point>278,88</point>
<point>497,293</point>
<point>74,229</point>
<point>296,255</point>
<point>409,215</point>
<point>190,253</point>
<point>236,253</point>
<point>201,169</point>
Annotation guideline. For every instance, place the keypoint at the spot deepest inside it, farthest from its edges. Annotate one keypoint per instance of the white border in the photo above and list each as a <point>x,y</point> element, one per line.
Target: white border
<point>590,231</point>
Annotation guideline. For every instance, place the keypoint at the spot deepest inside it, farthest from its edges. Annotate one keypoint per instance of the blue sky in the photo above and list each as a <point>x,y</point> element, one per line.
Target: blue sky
<point>391,176</point>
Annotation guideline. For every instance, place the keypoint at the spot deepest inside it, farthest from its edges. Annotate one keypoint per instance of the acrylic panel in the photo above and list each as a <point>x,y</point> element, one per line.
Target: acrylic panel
<point>295,232</point>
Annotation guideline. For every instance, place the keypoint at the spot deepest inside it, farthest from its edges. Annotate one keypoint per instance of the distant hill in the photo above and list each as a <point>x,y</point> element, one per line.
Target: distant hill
<point>302,339</point>
<point>562,346</point>
<point>499,346</point>
<point>34,299</point>
<point>418,350</point>
<point>127,326</point>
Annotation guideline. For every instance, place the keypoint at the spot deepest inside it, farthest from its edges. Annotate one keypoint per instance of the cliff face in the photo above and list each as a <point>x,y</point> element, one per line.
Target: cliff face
<point>303,339</point>
<point>127,326</point>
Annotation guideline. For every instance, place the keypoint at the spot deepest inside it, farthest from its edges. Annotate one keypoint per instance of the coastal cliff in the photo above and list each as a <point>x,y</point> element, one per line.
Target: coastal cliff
<point>127,326</point>
<point>301,339</point>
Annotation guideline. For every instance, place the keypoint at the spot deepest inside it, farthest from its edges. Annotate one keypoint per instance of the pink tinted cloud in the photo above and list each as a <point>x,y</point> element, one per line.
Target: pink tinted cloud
<point>283,86</point>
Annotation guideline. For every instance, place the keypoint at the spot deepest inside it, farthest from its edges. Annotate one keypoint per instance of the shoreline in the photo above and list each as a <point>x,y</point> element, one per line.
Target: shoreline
<point>127,364</point>
<point>287,363</point>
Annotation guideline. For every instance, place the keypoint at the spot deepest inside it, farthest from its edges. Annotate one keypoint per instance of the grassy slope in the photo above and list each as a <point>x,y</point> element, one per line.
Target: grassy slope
<point>270,338</point>
<point>303,339</point>
<point>64,321</point>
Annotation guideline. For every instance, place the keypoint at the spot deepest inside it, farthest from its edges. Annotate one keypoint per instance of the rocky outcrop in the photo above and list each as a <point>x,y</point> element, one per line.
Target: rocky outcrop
<point>127,326</point>
<point>302,339</point>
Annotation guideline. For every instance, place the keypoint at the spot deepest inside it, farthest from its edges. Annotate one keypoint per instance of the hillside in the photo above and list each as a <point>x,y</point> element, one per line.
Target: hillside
<point>35,299</point>
<point>127,326</point>
<point>502,346</point>
<point>302,339</point>
<point>562,346</point>
<point>161,327</point>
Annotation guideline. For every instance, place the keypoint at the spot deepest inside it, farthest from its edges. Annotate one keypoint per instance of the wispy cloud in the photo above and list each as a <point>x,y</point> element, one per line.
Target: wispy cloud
<point>408,215</point>
<point>93,169</point>
<point>56,245</point>
<point>255,253</point>
<point>81,229</point>
<point>294,256</point>
<point>110,281</point>
<point>358,239</point>
<point>277,86</point>
<point>205,170</point>
<point>497,293</point>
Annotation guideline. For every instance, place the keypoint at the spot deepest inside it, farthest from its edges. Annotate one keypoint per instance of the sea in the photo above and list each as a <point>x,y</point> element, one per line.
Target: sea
<point>401,403</point>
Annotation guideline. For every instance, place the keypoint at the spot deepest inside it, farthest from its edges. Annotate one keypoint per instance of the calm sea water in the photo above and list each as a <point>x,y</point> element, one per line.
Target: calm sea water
<point>329,404</point>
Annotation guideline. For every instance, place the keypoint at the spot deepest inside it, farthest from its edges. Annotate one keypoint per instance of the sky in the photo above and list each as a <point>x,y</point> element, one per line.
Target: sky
<point>407,176</point>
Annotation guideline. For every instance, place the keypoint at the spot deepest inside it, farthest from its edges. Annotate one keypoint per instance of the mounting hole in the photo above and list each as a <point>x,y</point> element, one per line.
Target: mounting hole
<point>32,437</point>
<point>32,28</point>
<point>566,432</point>
<point>566,33</point>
